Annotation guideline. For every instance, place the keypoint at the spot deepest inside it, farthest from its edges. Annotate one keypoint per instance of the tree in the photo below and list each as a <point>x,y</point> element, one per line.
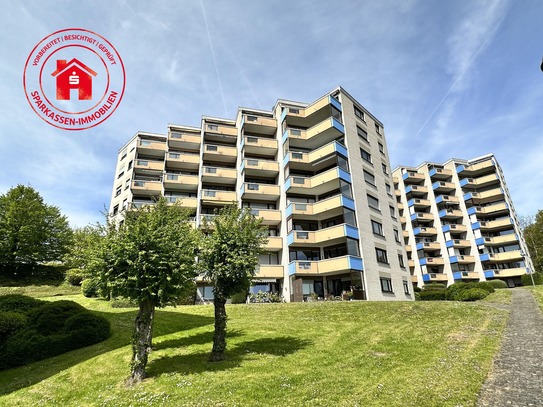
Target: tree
<point>228,259</point>
<point>533,235</point>
<point>83,250</point>
<point>150,258</point>
<point>30,230</point>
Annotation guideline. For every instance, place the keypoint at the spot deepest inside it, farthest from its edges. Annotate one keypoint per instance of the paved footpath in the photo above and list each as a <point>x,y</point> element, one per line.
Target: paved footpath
<point>516,378</point>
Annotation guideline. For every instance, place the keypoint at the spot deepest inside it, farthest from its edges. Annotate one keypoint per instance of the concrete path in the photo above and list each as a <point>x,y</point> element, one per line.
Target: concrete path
<point>516,378</point>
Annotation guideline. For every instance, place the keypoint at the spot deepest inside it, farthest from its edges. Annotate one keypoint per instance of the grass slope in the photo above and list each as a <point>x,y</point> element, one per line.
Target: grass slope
<point>345,353</point>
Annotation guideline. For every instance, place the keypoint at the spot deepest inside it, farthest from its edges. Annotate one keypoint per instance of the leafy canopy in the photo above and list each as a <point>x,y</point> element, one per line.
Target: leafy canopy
<point>151,255</point>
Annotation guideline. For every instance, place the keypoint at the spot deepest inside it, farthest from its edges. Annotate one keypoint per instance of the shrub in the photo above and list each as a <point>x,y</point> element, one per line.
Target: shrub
<point>434,286</point>
<point>497,284</point>
<point>123,303</point>
<point>417,289</point>
<point>19,303</point>
<point>74,276</point>
<point>454,290</point>
<point>262,296</point>
<point>484,285</point>
<point>239,298</point>
<point>50,318</point>
<point>11,322</point>
<point>473,294</point>
<point>417,295</point>
<point>432,295</point>
<point>90,287</point>
<point>527,279</point>
<point>85,329</point>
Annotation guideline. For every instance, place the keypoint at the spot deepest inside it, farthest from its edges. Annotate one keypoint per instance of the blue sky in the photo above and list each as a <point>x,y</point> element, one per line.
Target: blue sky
<point>459,77</point>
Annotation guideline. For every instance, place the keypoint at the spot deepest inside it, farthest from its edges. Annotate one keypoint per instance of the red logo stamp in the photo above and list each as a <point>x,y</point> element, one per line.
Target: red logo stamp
<point>74,79</point>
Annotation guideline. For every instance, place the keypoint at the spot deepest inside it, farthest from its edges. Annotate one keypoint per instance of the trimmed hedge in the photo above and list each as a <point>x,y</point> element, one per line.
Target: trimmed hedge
<point>90,287</point>
<point>434,286</point>
<point>19,303</point>
<point>527,279</point>
<point>454,290</point>
<point>484,285</point>
<point>49,329</point>
<point>432,295</point>
<point>239,298</point>
<point>74,277</point>
<point>473,294</point>
<point>497,284</point>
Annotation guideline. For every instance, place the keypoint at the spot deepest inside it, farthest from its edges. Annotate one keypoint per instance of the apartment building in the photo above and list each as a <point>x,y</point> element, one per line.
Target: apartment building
<point>459,223</point>
<point>318,175</point>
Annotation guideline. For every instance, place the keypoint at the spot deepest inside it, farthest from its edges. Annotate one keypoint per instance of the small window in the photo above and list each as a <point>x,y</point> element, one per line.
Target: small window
<point>359,113</point>
<point>130,164</point>
<point>389,190</point>
<point>369,178</point>
<point>406,287</point>
<point>392,212</point>
<point>123,157</point>
<point>362,133</point>
<point>377,128</point>
<point>120,174</point>
<point>386,285</point>
<point>377,228</point>
<point>365,155</point>
<point>385,170</point>
<point>118,191</point>
<point>381,255</point>
<point>397,235</point>
<point>115,209</point>
<point>373,202</point>
<point>381,148</point>
<point>400,259</point>
<point>212,127</point>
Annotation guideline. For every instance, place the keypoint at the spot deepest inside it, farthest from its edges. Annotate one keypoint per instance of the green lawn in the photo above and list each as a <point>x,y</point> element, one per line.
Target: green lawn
<point>538,294</point>
<point>315,354</point>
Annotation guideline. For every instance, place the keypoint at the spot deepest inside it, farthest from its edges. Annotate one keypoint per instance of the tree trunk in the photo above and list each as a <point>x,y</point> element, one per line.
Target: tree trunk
<point>142,341</point>
<point>219,337</point>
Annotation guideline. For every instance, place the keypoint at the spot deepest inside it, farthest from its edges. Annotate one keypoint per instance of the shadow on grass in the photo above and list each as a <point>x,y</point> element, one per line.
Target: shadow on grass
<point>198,339</point>
<point>199,362</point>
<point>122,325</point>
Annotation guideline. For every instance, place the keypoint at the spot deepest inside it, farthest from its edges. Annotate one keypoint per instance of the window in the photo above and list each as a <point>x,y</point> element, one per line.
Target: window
<point>369,178</point>
<point>365,155</point>
<point>386,285</point>
<point>381,255</point>
<point>115,209</point>
<point>381,148</point>
<point>377,228</point>
<point>123,157</point>
<point>120,174</point>
<point>130,164</point>
<point>400,259</point>
<point>392,212</point>
<point>377,128</point>
<point>389,190</point>
<point>406,287</point>
<point>359,113</point>
<point>362,133</point>
<point>397,235</point>
<point>373,202</point>
<point>384,166</point>
<point>118,191</point>
<point>212,127</point>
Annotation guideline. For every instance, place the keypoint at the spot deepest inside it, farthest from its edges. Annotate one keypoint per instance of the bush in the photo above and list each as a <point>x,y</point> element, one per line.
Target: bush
<point>123,303</point>
<point>454,290</point>
<point>497,284</point>
<point>262,297</point>
<point>417,295</point>
<point>11,322</point>
<point>473,294</point>
<point>74,276</point>
<point>527,279</point>
<point>432,295</point>
<point>85,329</point>
<point>239,298</point>
<point>19,303</point>
<point>484,285</point>
<point>90,287</point>
<point>434,286</point>
<point>50,318</point>
<point>417,289</point>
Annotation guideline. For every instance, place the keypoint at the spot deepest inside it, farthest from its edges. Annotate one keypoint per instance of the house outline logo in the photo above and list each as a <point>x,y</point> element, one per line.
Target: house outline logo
<point>73,75</point>
<point>74,79</point>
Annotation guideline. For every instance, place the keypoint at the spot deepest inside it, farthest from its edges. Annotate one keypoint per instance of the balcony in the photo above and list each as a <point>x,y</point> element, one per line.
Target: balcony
<point>222,129</point>
<point>185,202</point>
<point>478,169</point>
<point>408,248</point>
<point>439,173</point>
<point>504,240</point>
<point>461,259</point>
<point>501,273</point>
<point>332,235</point>
<point>322,104</point>
<point>428,246</point>
<point>266,192</point>
<point>316,155</point>
<point>450,214</point>
<point>219,175</point>
<point>454,228</point>
<point>414,279</point>
<point>425,231</point>
<point>494,225</point>
<point>458,243</point>
<point>259,145</point>
<point>480,198</point>
<point>270,217</point>
<point>405,233</point>
<point>149,188</point>
<point>185,141</point>
<point>466,275</point>
<point>418,203</point>
<point>422,217</point>
<point>274,244</point>
<point>148,166</point>
<point>487,180</point>
<point>262,168</point>
<point>490,210</point>
<point>318,184</point>
<point>182,161</point>
<point>412,177</point>
<point>400,206</point>
<point>324,209</point>
<point>447,199</point>
<point>416,190</point>
<point>432,261</point>
<point>212,196</point>
<point>514,255</point>
<point>443,187</point>
<point>336,265</point>
<point>269,271</point>
<point>435,277</point>
<point>411,263</point>
<point>219,153</point>
<point>318,135</point>
<point>258,124</point>
<point>403,220</point>
<point>151,148</point>
<point>181,182</point>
